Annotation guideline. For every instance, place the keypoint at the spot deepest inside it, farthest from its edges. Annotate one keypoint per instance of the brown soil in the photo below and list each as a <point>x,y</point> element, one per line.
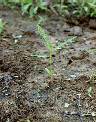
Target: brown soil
<point>27,93</point>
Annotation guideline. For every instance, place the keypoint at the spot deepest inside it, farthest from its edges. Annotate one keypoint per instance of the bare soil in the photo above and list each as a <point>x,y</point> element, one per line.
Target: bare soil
<point>27,93</point>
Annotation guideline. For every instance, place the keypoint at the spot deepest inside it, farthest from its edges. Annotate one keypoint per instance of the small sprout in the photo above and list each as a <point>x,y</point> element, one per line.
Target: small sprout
<point>49,71</point>
<point>66,42</point>
<point>45,38</point>
<point>89,91</point>
<point>1,26</point>
<point>66,105</point>
<point>41,20</point>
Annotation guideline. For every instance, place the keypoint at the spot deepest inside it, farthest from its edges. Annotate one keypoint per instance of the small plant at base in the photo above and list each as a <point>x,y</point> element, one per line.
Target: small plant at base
<point>60,7</point>
<point>1,26</point>
<point>46,40</point>
<point>32,7</point>
<point>84,7</point>
<point>49,71</point>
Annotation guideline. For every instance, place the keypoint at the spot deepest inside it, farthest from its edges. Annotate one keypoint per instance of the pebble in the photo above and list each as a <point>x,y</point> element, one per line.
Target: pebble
<point>76,31</point>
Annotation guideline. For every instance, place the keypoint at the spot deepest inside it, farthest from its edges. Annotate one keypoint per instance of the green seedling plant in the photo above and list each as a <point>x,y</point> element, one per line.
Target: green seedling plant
<point>1,26</point>
<point>4,2</point>
<point>84,7</point>
<point>60,7</point>
<point>49,71</point>
<point>47,42</point>
<point>63,7</point>
<point>32,7</point>
<point>26,6</point>
<point>65,43</point>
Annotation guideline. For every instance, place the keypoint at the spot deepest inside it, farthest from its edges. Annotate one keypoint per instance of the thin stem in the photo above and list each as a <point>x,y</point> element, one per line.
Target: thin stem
<point>50,58</point>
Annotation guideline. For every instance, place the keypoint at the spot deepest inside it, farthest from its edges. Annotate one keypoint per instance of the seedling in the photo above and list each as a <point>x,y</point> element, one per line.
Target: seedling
<point>31,7</point>
<point>66,42</point>
<point>84,7</point>
<point>1,26</point>
<point>49,71</point>
<point>60,8</point>
<point>90,91</point>
<point>46,41</point>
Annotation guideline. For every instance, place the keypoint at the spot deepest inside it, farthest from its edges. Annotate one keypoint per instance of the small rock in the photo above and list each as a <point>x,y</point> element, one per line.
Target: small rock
<point>29,30</point>
<point>76,31</point>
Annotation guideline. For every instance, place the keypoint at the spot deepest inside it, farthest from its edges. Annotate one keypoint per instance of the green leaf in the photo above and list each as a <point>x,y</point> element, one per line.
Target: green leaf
<point>26,1</point>
<point>14,1</point>
<point>49,71</point>
<point>1,26</point>
<point>25,8</point>
<point>35,10</point>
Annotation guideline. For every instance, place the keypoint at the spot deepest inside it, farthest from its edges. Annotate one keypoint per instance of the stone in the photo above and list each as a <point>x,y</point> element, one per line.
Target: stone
<point>76,31</point>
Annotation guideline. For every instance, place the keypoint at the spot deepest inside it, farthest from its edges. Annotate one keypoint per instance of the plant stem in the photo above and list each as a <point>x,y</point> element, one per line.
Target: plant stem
<point>50,56</point>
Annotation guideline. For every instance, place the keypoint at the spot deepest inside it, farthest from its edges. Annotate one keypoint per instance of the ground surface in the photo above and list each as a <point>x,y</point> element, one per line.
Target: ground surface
<point>27,94</point>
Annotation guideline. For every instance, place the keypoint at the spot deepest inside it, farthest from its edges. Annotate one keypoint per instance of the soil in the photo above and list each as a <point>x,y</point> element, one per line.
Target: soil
<point>27,93</point>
